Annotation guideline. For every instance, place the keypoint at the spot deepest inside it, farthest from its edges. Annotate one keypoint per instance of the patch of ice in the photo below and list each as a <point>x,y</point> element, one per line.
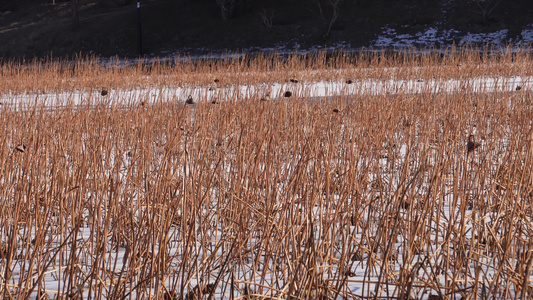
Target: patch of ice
<point>245,91</point>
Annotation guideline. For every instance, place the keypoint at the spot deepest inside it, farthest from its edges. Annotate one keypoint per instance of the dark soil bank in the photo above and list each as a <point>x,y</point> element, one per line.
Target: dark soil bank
<point>36,28</point>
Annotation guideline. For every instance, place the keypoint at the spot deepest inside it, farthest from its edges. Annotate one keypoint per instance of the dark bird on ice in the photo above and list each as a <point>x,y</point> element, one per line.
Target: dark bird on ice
<point>293,80</point>
<point>472,144</point>
<point>103,92</point>
<point>288,94</point>
<point>189,100</point>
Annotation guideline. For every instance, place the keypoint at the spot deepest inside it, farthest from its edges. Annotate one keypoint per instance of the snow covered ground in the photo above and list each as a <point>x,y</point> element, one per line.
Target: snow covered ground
<point>432,37</point>
<point>446,38</point>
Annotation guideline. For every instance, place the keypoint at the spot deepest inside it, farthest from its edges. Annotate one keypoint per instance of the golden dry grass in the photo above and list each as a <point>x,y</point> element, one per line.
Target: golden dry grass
<point>269,199</point>
<point>54,75</point>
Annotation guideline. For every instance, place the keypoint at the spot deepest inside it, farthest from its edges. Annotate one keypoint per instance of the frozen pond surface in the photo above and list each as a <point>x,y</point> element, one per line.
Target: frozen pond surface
<point>356,88</point>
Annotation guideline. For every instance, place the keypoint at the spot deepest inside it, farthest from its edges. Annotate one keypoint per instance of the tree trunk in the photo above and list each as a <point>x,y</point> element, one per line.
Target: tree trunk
<point>75,15</point>
<point>226,8</point>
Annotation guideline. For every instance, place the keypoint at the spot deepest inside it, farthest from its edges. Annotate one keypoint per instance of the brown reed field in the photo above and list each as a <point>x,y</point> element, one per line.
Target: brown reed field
<point>344,197</point>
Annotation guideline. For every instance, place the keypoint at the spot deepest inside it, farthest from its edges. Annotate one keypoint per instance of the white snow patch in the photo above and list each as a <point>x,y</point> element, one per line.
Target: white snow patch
<point>527,34</point>
<point>391,38</point>
<point>497,37</point>
<point>431,36</point>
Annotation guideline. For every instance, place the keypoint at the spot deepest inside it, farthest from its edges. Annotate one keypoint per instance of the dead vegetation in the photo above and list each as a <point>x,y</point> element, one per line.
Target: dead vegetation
<point>295,198</point>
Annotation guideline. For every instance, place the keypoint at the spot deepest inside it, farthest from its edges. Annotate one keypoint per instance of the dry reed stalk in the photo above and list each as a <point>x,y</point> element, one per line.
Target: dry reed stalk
<point>274,198</point>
